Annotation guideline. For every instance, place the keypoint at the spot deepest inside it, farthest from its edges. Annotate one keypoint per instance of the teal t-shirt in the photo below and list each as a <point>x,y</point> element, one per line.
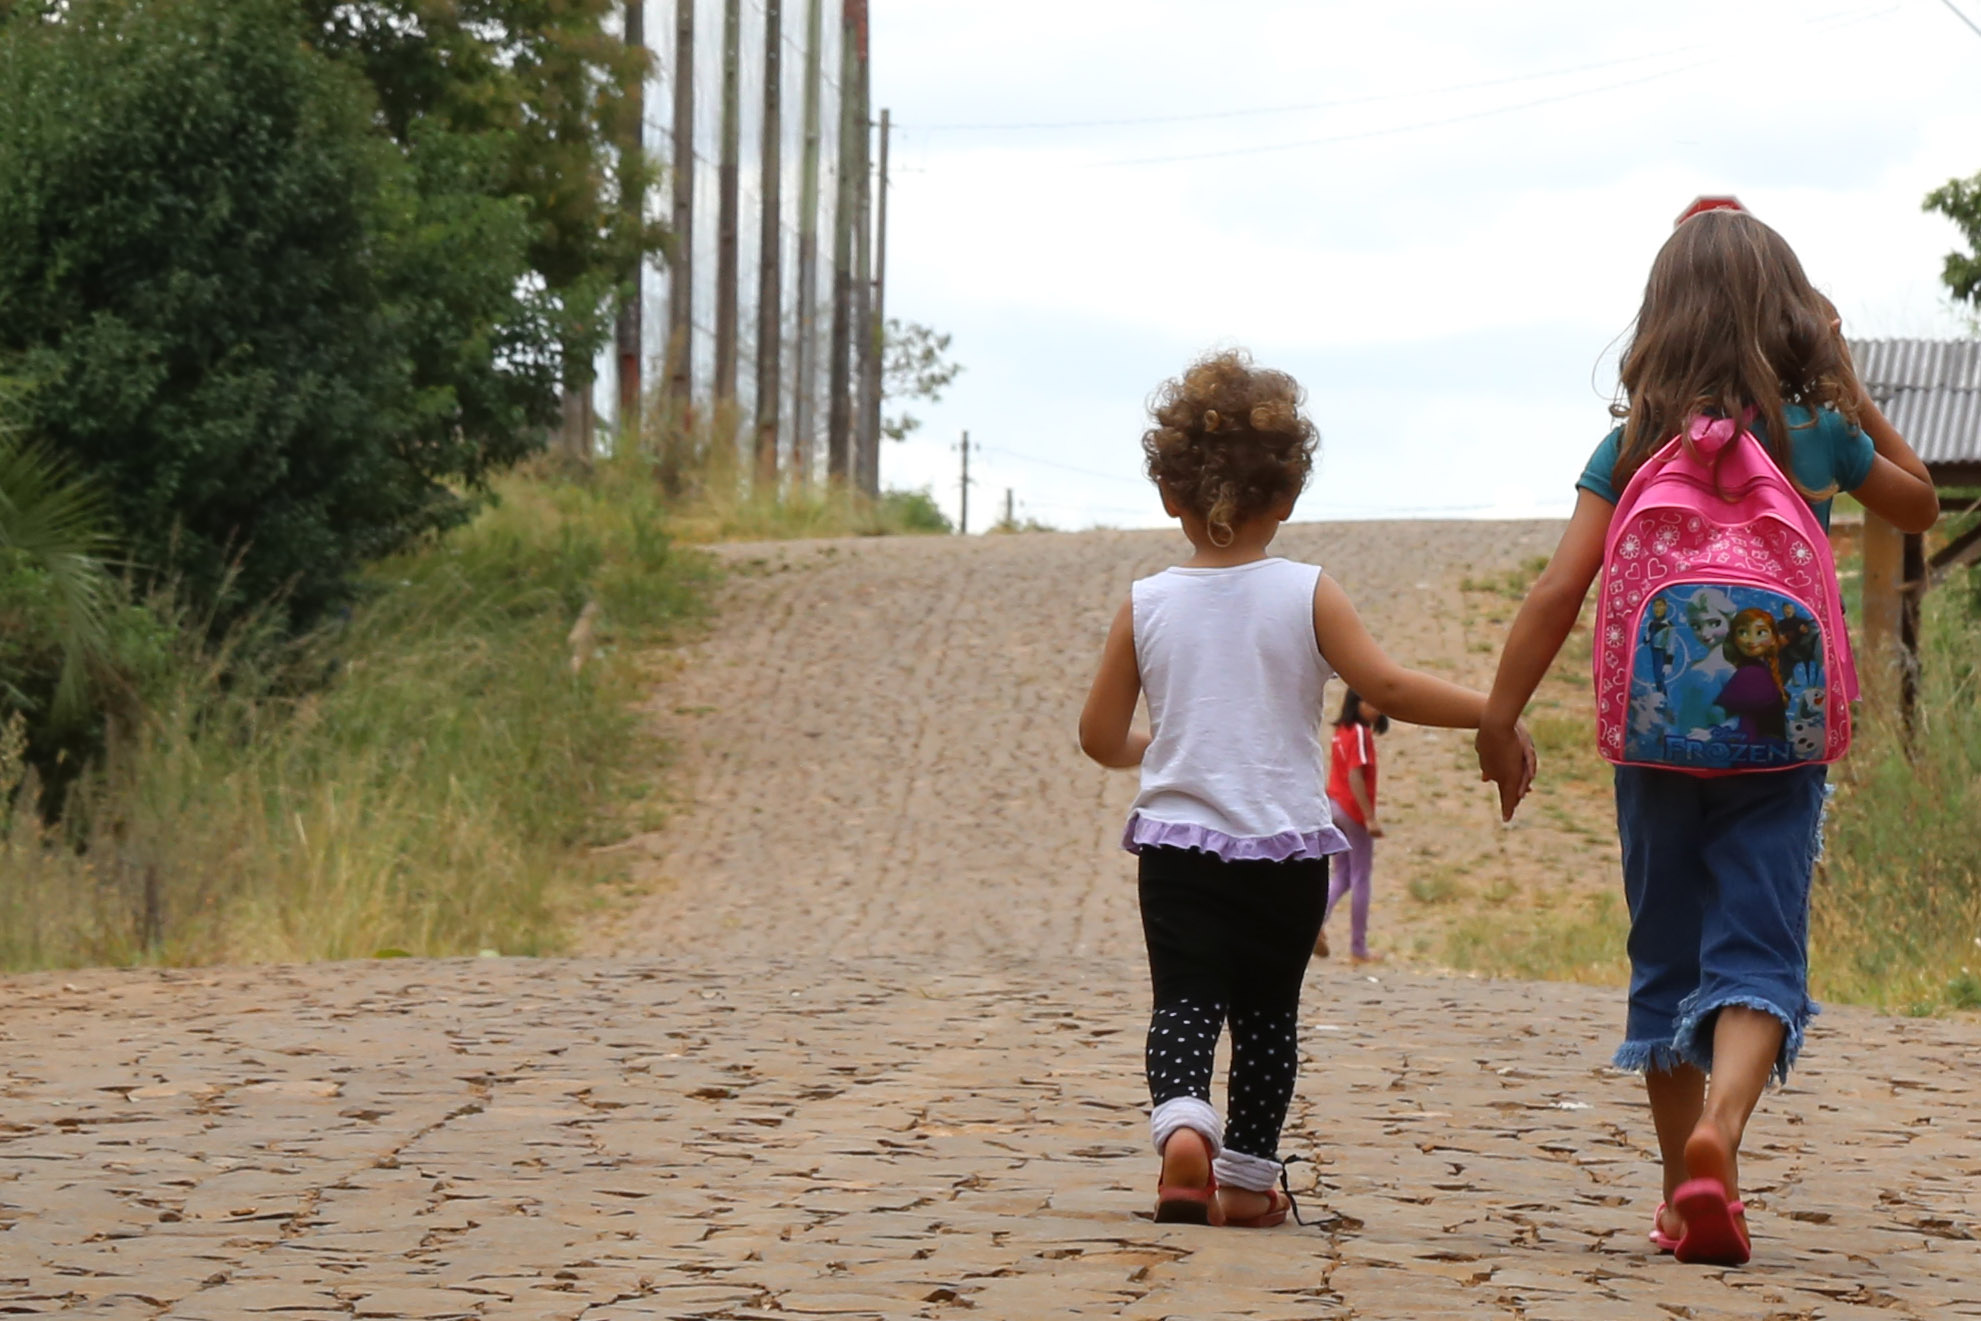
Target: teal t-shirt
<point>1829,453</point>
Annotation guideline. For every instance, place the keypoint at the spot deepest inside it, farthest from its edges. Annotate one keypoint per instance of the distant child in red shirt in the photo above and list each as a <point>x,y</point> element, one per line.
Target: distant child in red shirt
<point>1352,796</point>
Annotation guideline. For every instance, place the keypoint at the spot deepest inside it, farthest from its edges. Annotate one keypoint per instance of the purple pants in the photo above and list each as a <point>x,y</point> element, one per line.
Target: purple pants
<point>1350,876</point>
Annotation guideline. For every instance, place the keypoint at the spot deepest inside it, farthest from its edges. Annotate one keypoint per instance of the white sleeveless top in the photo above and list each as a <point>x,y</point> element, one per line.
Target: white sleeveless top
<point>1234,678</point>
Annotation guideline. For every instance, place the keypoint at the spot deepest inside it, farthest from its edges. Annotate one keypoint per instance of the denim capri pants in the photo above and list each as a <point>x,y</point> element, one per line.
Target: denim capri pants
<point>1716,872</point>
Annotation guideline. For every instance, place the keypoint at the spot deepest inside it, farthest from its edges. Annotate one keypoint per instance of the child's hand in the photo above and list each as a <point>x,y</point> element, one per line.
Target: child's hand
<point>1506,757</point>
<point>1375,831</point>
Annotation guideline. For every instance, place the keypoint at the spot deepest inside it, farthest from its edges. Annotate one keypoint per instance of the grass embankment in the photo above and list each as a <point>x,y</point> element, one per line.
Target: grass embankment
<point>732,514</point>
<point>424,778</point>
<point>1896,908</point>
<point>1896,915</point>
<point>712,497</point>
<point>1567,931</point>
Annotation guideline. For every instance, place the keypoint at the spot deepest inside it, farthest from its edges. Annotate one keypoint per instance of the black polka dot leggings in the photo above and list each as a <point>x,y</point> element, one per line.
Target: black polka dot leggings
<point>1228,943</point>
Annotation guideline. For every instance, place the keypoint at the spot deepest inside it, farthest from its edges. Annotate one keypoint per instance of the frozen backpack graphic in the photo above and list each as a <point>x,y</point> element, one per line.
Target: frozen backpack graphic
<point>1720,643</point>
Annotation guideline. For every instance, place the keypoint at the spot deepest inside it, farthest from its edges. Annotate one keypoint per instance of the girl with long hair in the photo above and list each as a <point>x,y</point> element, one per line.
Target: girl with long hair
<point>1716,870</point>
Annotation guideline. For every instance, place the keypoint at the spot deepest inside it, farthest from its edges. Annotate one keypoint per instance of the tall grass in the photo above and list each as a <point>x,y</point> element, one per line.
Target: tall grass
<point>1896,910</point>
<point>1896,914</point>
<point>699,463</point>
<point>422,779</point>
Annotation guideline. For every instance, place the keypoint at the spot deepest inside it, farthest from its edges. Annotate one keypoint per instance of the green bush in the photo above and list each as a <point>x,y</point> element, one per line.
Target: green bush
<point>913,511</point>
<point>283,344</point>
<point>76,651</point>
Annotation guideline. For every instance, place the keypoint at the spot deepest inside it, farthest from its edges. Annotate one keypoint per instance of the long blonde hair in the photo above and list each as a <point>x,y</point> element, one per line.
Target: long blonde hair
<point>1729,322</point>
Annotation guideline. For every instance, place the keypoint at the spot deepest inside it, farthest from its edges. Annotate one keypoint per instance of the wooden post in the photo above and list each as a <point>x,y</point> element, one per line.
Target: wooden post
<point>863,287</point>
<point>770,253</point>
<point>1879,665</point>
<point>728,202</point>
<point>804,354</point>
<point>578,419</point>
<point>1912,600</point>
<point>1010,519</point>
<point>681,263</point>
<point>839,418</point>
<point>864,457</point>
<point>963,514</point>
<point>632,198</point>
<point>877,337</point>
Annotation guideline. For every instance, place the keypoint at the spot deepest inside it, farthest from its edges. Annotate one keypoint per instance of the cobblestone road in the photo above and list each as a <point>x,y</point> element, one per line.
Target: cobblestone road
<point>871,1049</point>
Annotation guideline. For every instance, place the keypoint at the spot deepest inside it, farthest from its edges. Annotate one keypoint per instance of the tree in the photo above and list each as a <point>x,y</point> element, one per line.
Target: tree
<point>1959,200</point>
<point>914,365</point>
<point>281,342</point>
<point>554,95</point>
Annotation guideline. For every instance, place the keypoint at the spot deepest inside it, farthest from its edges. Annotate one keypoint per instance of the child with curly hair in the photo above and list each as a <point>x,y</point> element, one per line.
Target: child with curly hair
<point>1233,648</point>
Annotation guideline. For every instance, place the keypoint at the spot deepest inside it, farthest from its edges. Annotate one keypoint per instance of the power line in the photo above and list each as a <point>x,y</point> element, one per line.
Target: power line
<point>1963,17</point>
<point>1842,18</point>
<point>1063,467</point>
<point>1839,18</point>
<point>1294,109</point>
<point>1393,130</point>
<point>1079,507</point>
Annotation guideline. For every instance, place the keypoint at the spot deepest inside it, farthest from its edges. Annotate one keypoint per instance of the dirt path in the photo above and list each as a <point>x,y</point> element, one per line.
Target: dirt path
<point>870,1048</point>
<point>879,747</point>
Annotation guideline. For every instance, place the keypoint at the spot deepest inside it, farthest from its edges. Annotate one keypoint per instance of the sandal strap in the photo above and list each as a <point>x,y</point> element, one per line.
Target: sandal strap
<point>1292,1204</point>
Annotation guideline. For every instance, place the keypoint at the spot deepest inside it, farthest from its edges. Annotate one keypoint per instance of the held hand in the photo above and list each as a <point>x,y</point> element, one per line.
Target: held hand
<point>1506,757</point>
<point>1531,758</point>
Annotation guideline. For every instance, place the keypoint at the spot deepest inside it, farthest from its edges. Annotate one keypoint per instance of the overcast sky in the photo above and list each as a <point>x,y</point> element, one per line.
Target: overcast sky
<point>1437,216</point>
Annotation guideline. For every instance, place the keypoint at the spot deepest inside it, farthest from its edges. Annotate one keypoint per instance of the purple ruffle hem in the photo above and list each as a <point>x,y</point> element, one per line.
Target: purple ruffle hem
<point>1142,832</point>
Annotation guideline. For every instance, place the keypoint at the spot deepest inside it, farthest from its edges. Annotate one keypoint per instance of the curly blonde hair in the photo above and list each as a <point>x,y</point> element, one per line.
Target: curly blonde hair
<point>1230,441</point>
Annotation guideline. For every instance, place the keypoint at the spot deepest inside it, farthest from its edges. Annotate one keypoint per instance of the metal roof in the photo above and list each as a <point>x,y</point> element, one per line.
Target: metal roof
<point>1930,389</point>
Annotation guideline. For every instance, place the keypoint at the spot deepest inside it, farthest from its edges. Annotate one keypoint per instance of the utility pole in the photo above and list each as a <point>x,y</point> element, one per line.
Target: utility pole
<point>839,422</point>
<point>1010,519</point>
<point>770,254</point>
<point>804,368</point>
<point>728,204</point>
<point>632,198</point>
<point>877,350</point>
<point>963,518</point>
<point>681,263</point>
<point>866,456</point>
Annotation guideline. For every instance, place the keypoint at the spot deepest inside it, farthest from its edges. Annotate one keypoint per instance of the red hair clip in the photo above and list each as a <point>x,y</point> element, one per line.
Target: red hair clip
<point>1708,202</point>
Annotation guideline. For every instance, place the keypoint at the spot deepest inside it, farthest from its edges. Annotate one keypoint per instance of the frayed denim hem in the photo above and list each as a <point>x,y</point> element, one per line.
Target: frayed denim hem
<point>1686,1039</point>
<point>1646,1057</point>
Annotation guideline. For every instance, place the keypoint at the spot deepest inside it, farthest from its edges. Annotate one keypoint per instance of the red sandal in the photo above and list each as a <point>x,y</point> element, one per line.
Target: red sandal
<point>1274,1214</point>
<point>1178,1205</point>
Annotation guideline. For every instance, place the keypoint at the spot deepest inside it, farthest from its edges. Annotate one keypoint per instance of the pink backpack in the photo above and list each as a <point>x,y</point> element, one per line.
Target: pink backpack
<point>1720,642</point>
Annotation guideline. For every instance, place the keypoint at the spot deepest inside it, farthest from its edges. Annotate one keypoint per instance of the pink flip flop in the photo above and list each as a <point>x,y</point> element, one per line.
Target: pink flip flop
<point>1660,1240</point>
<point>1715,1226</point>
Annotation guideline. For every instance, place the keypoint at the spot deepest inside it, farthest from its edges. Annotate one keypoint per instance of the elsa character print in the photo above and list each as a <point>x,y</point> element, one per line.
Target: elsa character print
<point>1692,695</point>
